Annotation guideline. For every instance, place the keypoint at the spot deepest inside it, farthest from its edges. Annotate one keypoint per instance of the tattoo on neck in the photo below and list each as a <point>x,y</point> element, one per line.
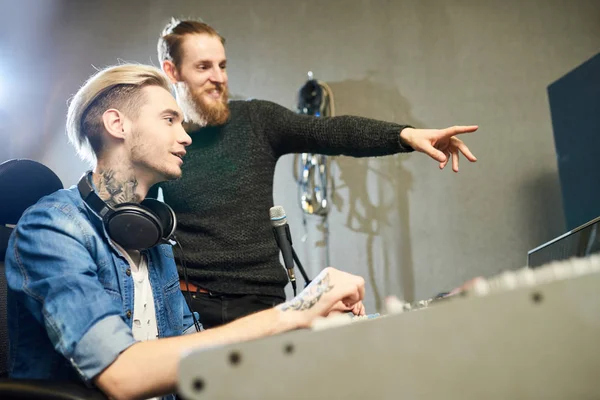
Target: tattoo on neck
<point>308,299</point>
<point>116,191</point>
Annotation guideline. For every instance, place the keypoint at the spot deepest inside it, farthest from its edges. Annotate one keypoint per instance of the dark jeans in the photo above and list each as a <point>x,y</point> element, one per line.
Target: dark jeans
<point>219,309</point>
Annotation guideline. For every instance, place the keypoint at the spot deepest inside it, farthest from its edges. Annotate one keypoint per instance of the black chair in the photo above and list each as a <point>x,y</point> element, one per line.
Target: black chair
<point>22,183</point>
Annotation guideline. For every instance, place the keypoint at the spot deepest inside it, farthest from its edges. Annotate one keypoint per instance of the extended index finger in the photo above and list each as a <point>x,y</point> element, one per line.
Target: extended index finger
<point>458,129</point>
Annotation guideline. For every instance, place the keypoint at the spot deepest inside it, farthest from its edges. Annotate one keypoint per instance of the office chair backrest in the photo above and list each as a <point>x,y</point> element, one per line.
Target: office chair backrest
<point>22,183</point>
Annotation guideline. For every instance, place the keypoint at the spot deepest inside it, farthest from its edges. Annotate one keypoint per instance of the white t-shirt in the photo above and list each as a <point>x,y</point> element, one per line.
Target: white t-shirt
<point>144,315</point>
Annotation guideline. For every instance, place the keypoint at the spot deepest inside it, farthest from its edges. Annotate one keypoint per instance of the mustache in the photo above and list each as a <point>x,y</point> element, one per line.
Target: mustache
<point>219,87</point>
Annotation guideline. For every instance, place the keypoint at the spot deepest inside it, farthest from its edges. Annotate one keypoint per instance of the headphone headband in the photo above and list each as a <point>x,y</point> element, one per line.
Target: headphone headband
<point>86,189</point>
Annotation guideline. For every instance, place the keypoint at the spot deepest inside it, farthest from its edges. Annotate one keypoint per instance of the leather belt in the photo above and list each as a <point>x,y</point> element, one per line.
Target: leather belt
<point>190,287</point>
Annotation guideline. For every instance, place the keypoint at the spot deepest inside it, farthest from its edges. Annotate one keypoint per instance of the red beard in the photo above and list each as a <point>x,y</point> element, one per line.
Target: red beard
<point>215,113</point>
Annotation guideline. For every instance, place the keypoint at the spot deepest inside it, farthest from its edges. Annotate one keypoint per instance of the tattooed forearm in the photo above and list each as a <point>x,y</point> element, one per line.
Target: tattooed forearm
<point>114,190</point>
<point>309,297</point>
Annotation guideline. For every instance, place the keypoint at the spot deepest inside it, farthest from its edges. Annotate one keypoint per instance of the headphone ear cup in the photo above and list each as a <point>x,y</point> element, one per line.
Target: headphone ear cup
<point>165,214</point>
<point>134,226</point>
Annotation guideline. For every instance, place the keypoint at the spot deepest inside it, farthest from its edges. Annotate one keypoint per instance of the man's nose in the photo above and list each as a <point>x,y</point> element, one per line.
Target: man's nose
<point>184,138</point>
<point>218,75</point>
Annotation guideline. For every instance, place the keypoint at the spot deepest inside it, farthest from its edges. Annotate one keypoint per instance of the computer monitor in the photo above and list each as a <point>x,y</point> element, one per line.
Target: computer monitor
<point>579,242</point>
<point>575,108</point>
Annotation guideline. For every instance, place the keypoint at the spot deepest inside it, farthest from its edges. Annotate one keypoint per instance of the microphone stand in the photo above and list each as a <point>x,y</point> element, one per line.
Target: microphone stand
<point>301,268</point>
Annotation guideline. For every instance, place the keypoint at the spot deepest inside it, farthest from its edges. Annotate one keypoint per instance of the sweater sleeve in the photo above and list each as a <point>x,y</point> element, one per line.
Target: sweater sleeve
<point>289,132</point>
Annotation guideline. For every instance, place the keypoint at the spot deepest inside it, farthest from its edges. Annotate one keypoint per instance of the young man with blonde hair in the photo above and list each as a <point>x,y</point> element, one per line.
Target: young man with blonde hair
<point>93,290</point>
<point>227,185</point>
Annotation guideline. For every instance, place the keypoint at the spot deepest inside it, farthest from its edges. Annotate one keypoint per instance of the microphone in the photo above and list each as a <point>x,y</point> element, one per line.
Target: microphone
<point>310,98</point>
<point>281,231</point>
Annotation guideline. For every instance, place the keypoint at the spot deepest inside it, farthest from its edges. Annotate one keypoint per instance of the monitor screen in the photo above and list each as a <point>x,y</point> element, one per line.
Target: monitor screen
<point>579,242</point>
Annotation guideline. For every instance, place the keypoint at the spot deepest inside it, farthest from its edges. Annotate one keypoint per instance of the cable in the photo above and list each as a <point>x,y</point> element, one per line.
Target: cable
<point>187,285</point>
<point>331,102</point>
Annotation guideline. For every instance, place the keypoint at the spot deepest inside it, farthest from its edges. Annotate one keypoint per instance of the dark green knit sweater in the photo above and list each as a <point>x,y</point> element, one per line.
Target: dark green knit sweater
<point>223,199</point>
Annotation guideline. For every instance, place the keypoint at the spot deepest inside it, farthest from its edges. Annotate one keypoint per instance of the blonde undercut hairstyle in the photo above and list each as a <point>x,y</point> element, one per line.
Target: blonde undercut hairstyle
<point>119,87</point>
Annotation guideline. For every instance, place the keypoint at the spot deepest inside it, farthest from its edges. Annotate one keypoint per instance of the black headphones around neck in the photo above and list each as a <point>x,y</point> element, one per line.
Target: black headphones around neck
<point>132,226</point>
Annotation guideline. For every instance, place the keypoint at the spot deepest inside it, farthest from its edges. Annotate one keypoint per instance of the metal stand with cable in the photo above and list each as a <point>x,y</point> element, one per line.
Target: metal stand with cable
<point>315,98</point>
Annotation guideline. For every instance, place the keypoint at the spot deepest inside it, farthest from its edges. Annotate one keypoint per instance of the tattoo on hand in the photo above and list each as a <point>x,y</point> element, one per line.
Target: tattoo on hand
<point>114,191</point>
<point>310,297</point>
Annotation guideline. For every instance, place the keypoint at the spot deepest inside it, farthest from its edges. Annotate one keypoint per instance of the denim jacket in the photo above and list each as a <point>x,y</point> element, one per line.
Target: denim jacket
<point>70,292</point>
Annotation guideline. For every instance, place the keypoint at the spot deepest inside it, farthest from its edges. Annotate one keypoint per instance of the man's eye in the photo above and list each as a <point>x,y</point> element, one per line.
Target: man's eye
<point>170,119</point>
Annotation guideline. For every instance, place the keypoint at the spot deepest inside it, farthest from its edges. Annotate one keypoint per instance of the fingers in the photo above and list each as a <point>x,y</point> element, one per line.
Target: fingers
<point>434,153</point>
<point>464,149</point>
<point>465,286</point>
<point>349,288</point>
<point>359,309</point>
<point>457,130</point>
<point>454,153</point>
<point>356,309</point>
<point>341,308</point>
<point>357,295</point>
<point>443,164</point>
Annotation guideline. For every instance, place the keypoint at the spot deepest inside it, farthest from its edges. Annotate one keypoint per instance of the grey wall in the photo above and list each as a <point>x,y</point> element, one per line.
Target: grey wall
<point>410,229</point>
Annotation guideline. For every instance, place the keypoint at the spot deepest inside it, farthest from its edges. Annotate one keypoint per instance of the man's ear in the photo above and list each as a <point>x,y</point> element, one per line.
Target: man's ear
<point>115,123</point>
<point>171,71</point>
